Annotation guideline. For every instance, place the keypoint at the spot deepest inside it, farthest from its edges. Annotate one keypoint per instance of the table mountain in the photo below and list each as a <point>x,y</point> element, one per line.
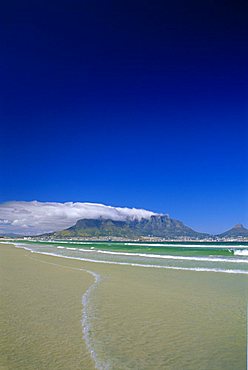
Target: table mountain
<point>156,226</point>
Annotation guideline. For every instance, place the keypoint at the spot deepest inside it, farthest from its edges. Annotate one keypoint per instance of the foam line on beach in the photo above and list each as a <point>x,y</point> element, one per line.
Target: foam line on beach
<point>85,321</point>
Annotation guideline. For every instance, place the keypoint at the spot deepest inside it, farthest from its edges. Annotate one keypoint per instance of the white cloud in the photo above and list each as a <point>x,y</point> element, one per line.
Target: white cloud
<point>41,217</point>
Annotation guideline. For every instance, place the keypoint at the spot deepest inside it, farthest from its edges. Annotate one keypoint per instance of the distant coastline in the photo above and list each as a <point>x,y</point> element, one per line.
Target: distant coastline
<point>122,239</point>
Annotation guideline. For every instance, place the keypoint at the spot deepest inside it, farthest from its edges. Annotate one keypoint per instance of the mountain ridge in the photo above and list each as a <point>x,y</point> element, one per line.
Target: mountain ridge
<point>155,226</point>
<point>237,231</point>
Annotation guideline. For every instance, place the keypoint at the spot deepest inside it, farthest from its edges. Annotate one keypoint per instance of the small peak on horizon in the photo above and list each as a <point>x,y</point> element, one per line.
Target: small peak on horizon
<point>239,226</point>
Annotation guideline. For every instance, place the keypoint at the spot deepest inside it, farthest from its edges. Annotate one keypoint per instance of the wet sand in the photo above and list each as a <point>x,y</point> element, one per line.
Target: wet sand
<point>141,318</point>
<point>160,319</point>
<point>41,311</point>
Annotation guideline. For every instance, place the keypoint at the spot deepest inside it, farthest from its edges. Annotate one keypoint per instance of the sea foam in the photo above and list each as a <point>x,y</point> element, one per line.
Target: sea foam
<point>241,252</point>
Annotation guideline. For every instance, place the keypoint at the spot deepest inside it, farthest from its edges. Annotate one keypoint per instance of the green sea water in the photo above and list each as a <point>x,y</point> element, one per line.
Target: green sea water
<point>170,248</point>
<point>203,256</point>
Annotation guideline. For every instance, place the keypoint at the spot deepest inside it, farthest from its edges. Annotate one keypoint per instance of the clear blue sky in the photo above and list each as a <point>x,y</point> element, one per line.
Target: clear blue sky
<point>128,103</point>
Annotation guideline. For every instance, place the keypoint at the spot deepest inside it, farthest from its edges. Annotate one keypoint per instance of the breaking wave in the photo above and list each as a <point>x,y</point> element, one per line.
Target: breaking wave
<point>241,252</point>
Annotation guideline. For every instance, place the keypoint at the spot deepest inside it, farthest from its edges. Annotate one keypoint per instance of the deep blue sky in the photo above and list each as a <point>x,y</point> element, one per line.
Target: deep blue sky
<point>127,103</point>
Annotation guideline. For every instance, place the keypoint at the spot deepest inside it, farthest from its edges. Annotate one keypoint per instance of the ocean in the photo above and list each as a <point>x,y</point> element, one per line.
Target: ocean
<point>196,256</point>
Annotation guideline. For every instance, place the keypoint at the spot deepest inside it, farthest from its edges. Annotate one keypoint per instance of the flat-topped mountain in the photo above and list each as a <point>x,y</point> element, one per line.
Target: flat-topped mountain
<point>237,231</point>
<point>155,226</point>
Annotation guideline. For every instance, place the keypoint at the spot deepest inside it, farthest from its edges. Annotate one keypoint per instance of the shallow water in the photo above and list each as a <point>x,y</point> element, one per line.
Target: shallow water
<point>218,257</point>
<point>161,319</point>
<point>167,314</point>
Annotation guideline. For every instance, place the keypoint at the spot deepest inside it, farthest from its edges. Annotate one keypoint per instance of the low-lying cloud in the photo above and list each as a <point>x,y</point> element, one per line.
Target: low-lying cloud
<point>30,218</point>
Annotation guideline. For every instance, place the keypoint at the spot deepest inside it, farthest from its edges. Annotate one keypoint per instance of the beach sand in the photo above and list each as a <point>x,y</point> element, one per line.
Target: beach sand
<point>141,318</point>
<point>41,311</point>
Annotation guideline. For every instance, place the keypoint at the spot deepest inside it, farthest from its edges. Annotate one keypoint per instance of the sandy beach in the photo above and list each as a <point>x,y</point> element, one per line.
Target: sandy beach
<point>41,310</point>
<point>140,318</point>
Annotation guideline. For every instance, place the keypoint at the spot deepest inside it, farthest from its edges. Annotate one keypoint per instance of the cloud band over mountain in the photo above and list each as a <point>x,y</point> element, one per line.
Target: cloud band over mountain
<point>30,218</point>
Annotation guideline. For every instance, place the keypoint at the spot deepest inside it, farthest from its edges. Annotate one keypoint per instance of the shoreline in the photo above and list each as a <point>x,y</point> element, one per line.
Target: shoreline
<point>86,327</point>
<point>171,303</point>
<point>120,240</point>
<point>189,269</point>
<point>35,309</point>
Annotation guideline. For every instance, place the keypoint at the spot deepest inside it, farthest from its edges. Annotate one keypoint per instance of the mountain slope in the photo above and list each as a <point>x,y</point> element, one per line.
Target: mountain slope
<point>237,231</point>
<point>157,226</point>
